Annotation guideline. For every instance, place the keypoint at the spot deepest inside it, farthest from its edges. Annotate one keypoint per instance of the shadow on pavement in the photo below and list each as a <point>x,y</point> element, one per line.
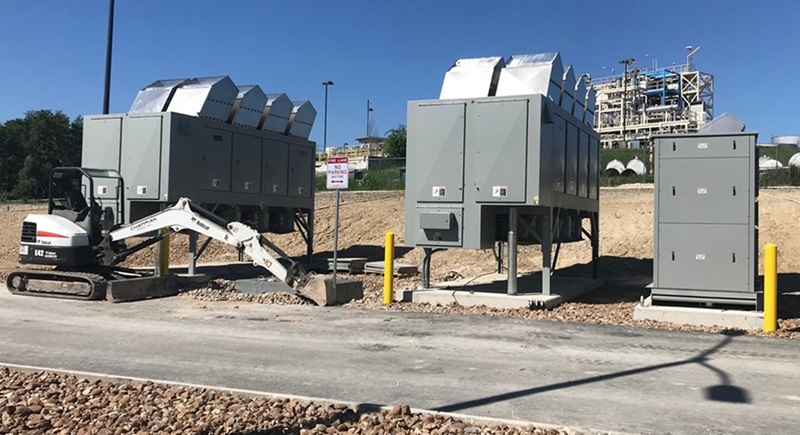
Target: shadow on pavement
<point>725,391</point>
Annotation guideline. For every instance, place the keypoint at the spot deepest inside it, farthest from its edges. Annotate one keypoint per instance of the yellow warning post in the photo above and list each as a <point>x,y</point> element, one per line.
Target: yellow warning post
<point>770,287</point>
<point>388,269</point>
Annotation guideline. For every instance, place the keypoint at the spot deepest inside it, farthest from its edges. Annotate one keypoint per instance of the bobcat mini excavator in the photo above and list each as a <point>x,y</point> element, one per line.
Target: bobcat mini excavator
<point>83,242</point>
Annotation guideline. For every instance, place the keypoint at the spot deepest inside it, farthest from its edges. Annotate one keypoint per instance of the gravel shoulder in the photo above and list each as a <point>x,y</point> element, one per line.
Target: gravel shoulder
<point>58,403</point>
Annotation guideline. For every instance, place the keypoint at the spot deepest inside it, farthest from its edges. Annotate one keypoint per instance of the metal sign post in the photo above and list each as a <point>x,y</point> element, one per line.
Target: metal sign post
<point>337,179</point>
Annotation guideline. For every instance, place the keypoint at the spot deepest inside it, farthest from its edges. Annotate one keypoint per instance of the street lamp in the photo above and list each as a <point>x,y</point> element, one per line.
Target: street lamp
<point>107,87</point>
<point>369,109</point>
<point>626,62</point>
<point>325,123</point>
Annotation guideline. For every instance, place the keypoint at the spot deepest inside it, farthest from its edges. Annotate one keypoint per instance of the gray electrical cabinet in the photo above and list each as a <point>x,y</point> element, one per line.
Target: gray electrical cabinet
<point>706,218</point>
<point>477,157</point>
<point>507,153</point>
<point>212,142</point>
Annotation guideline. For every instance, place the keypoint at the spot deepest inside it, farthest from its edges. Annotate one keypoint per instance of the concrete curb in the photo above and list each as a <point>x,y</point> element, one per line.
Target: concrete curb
<point>472,419</point>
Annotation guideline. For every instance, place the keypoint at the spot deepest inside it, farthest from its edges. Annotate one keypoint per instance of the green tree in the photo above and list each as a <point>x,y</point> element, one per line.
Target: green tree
<point>32,146</point>
<point>395,143</point>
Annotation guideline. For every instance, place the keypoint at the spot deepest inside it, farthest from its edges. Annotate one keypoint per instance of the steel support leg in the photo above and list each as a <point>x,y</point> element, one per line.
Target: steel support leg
<point>426,268</point>
<point>512,251</point>
<point>547,249</point>
<point>310,242</point>
<point>192,253</point>
<point>499,257</point>
<point>595,222</point>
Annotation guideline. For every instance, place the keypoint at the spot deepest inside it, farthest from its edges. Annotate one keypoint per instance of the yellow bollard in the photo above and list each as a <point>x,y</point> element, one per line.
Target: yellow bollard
<point>770,287</point>
<point>163,254</point>
<point>388,269</point>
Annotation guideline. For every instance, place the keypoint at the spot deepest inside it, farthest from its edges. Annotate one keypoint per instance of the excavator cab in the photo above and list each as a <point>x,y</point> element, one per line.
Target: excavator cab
<point>93,199</point>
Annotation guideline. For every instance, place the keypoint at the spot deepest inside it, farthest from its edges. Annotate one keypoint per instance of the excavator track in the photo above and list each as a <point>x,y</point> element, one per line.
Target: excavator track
<point>57,284</point>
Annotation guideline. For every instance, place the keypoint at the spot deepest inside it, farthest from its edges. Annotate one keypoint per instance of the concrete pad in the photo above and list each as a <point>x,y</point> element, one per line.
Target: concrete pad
<point>137,289</point>
<point>257,286</point>
<point>348,290</point>
<point>699,316</point>
<point>400,269</point>
<point>490,290</point>
<point>185,278</point>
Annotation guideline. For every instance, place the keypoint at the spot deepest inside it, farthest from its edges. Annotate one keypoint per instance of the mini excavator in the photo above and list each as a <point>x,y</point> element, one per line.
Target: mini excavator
<point>83,240</point>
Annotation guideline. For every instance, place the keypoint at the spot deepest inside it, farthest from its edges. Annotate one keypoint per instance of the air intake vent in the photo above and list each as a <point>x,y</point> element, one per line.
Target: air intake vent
<point>29,232</point>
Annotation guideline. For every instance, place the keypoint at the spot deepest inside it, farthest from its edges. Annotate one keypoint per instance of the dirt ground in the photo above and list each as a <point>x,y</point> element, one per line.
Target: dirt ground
<point>626,246</point>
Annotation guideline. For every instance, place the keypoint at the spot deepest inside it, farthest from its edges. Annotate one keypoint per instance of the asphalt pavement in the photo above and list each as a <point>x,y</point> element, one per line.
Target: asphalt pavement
<point>600,377</point>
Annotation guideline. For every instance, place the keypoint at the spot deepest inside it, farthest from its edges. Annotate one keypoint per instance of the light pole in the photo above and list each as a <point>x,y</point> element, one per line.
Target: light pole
<point>369,109</point>
<point>325,123</point>
<point>107,87</point>
<point>626,62</point>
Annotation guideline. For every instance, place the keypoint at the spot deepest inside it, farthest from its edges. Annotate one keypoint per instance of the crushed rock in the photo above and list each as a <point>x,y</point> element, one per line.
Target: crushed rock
<point>43,402</point>
<point>219,290</point>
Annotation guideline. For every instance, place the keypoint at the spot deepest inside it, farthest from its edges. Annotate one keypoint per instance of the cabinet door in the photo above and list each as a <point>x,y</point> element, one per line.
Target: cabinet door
<point>594,167</point>
<point>714,191</point>
<point>497,132</point>
<point>707,146</point>
<point>559,153</point>
<point>301,171</point>
<point>583,165</point>
<point>703,257</point>
<point>436,152</point>
<point>246,164</point>
<point>572,159</point>
<point>275,168</point>
<point>215,160</point>
<point>141,157</point>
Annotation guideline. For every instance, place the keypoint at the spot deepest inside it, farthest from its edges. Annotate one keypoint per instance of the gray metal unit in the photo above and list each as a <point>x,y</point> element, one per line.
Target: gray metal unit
<point>164,156</point>
<point>156,96</point>
<point>248,107</point>
<point>275,114</point>
<point>441,227</point>
<point>526,74</point>
<point>301,120</point>
<point>490,152</point>
<point>706,217</point>
<point>518,166</point>
<point>206,97</point>
<point>472,78</point>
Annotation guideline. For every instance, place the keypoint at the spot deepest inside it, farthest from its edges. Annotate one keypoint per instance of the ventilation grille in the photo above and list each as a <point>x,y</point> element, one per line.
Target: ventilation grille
<point>29,232</point>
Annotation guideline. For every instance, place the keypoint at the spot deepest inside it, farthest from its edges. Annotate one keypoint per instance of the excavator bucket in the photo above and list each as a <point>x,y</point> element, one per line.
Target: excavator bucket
<point>319,289</point>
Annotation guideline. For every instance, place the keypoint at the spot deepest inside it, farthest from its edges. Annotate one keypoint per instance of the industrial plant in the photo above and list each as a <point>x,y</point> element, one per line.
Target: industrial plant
<point>642,102</point>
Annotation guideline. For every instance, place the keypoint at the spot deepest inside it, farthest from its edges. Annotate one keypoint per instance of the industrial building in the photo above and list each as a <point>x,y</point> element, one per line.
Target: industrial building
<point>642,102</point>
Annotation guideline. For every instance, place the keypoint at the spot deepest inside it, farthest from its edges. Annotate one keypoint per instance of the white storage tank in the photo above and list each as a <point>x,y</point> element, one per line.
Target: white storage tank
<point>614,168</point>
<point>635,167</point>
<point>767,163</point>
<point>795,160</point>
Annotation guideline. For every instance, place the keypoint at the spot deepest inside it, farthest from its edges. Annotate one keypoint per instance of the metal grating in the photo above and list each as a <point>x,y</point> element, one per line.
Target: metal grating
<point>29,232</point>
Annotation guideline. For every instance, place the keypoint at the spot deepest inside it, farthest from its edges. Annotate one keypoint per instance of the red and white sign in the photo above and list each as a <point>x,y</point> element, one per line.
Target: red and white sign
<point>338,172</point>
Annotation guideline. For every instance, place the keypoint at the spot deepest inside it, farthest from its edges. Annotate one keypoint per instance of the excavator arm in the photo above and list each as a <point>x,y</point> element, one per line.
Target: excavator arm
<point>182,216</point>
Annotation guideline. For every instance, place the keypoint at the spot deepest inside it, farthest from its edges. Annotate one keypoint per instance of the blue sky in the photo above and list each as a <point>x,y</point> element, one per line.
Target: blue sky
<point>53,51</point>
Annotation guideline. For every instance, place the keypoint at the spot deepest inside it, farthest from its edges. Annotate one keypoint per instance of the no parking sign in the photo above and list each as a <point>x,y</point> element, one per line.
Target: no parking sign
<point>337,173</point>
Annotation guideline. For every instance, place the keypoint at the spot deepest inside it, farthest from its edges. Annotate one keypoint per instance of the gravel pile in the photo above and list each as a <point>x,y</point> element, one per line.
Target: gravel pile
<point>222,290</point>
<point>49,403</point>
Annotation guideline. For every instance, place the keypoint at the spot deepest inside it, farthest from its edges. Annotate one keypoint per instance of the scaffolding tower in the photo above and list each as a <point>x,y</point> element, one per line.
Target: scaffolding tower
<point>640,103</point>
